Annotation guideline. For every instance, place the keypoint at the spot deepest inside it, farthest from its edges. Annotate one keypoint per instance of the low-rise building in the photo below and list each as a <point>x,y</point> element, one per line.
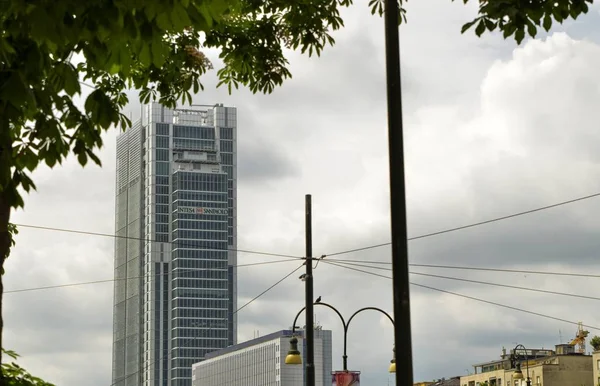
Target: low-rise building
<point>562,367</point>
<point>261,362</point>
<point>596,364</point>
<point>454,381</point>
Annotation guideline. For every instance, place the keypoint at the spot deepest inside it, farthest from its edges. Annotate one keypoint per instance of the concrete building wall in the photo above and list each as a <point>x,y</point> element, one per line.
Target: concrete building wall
<point>562,370</point>
<point>494,378</point>
<point>596,370</point>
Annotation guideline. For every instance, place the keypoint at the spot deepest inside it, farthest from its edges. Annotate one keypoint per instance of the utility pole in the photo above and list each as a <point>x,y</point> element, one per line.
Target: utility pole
<point>400,285</point>
<point>310,332</point>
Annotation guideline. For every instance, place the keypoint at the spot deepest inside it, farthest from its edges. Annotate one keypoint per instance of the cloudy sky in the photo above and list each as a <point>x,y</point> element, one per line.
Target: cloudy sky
<point>491,129</point>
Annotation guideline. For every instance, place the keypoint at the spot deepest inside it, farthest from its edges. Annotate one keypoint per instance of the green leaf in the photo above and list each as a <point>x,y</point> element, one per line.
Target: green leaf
<point>71,78</point>
<point>468,25</point>
<point>206,14</point>
<point>547,22</point>
<point>6,49</point>
<point>520,35</point>
<point>480,28</point>
<point>490,25</point>
<point>509,30</point>
<point>531,30</point>
<point>93,156</point>
<point>179,16</point>
<point>28,158</point>
<point>15,91</point>
<point>144,55</point>
<point>158,51</point>
<point>163,21</point>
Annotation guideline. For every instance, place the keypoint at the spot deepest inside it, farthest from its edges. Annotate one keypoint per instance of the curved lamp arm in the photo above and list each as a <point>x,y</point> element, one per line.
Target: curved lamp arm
<point>345,357</point>
<point>358,312</point>
<point>319,304</point>
<point>519,347</point>
<point>374,309</point>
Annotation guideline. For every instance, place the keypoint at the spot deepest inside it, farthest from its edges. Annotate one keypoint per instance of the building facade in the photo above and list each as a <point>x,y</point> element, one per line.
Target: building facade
<point>261,362</point>
<point>562,367</point>
<point>596,364</point>
<point>453,381</point>
<point>175,276</point>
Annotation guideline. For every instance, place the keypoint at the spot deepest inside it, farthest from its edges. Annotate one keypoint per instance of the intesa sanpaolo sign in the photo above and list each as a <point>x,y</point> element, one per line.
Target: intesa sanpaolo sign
<point>187,209</point>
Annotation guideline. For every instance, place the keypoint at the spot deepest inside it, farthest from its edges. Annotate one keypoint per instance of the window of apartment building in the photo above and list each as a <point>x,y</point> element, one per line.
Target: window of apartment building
<point>538,381</point>
<point>598,364</point>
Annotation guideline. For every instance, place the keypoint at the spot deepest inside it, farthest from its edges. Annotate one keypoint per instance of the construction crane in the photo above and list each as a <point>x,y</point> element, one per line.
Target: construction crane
<point>580,337</point>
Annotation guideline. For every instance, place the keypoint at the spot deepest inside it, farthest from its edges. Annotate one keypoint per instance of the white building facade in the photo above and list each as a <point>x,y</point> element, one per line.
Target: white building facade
<point>261,362</point>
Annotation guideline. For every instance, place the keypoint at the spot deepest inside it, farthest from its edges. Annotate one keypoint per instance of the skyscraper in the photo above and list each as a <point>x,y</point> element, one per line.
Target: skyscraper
<point>175,276</point>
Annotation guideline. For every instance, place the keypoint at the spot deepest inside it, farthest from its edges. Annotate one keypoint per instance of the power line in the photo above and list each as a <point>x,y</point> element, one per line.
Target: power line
<point>473,298</point>
<point>268,289</point>
<point>356,269</point>
<point>482,282</point>
<point>506,270</point>
<point>508,286</point>
<point>473,224</point>
<point>134,277</point>
<point>504,306</point>
<point>178,243</point>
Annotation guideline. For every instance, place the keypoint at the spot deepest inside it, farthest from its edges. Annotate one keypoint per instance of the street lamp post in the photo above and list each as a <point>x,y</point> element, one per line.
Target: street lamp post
<point>293,356</point>
<point>400,282</point>
<point>518,374</point>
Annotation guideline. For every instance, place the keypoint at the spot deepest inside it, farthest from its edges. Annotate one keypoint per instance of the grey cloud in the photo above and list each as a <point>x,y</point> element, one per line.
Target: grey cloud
<point>342,125</point>
<point>260,160</point>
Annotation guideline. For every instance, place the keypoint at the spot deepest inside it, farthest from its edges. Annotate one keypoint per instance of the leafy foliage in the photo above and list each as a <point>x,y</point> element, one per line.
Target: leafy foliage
<point>50,48</point>
<point>595,343</point>
<point>519,18</point>
<point>148,45</point>
<point>15,375</point>
<point>12,232</point>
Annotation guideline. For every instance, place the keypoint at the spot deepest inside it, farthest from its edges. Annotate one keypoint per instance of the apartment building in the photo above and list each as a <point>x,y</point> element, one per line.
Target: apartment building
<point>560,367</point>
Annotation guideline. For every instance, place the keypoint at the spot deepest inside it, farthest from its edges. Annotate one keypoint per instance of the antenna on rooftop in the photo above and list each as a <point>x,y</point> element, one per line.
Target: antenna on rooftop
<point>560,336</point>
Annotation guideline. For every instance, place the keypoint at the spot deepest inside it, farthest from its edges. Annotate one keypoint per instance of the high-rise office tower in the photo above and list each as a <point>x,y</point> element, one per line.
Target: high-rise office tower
<point>175,276</point>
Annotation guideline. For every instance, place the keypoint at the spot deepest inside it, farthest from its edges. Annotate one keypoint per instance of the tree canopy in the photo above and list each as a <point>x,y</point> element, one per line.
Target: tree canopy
<point>156,48</point>
<point>519,18</point>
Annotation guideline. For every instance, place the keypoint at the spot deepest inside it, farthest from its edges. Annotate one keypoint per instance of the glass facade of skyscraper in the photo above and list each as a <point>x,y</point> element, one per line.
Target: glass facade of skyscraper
<point>175,292</point>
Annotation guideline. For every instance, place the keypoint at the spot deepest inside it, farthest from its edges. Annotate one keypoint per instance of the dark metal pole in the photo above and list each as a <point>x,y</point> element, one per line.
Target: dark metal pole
<point>402,330</point>
<point>345,356</point>
<point>310,331</point>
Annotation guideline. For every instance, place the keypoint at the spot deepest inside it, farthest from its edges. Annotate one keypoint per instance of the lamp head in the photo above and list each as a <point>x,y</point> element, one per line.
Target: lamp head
<point>392,368</point>
<point>518,374</point>
<point>293,357</point>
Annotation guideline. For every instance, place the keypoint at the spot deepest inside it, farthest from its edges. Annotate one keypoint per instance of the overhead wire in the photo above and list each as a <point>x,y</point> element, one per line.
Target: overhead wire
<point>480,282</point>
<point>268,289</point>
<point>496,219</point>
<point>178,243</point>
<point>135,277</point>
<point>507,286</point>
<point>364,263</point>
<point>182,244</point>
<point>472,298</point>
<point>507,270</point>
